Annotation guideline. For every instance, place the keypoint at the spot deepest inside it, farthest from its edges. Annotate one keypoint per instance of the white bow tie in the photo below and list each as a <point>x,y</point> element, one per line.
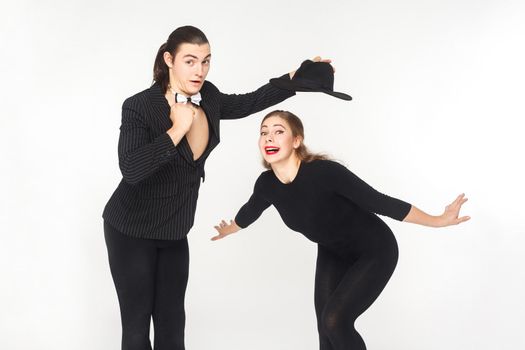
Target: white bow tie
<point>195,99</point>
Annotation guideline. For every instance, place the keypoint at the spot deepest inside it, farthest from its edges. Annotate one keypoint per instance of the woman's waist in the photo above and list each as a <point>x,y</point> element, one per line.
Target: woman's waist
<point>372,236</point>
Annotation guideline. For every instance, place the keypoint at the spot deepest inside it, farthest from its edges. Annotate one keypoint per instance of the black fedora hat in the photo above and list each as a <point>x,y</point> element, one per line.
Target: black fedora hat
<point>311,77</point>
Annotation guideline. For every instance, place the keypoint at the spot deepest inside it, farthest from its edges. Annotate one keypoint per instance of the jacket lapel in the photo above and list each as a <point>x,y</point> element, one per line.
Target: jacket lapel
<point>211,108</point>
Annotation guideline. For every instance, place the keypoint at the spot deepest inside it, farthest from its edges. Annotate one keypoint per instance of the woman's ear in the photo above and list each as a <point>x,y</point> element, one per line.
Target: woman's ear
<point>297,142</point>
<point>168,59</point>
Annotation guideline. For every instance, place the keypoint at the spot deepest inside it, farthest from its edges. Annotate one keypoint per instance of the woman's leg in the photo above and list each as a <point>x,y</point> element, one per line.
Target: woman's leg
<point>330,269</point>
<point>171,280</point>
<point>358,288</point>
<point>133,263</point>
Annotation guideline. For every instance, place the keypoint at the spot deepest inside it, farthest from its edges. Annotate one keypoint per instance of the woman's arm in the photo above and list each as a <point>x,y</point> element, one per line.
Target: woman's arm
<point>449,217</point>
<point>347,184</point>
<point>352,187</point>
<point>247,215</point>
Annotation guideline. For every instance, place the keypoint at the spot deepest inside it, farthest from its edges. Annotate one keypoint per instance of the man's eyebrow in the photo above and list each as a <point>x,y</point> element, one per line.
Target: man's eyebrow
<point>193,56</point>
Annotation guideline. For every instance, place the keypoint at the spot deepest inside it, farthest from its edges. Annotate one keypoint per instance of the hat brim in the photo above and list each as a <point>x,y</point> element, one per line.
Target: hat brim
<point>302,86</point>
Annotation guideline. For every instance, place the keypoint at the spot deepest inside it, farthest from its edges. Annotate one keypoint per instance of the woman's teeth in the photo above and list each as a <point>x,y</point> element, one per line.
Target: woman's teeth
<point>271,150</point>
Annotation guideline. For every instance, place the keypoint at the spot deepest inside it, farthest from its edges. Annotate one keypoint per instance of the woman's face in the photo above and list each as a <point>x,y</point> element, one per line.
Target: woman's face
<point>190,67</point>
<point>276,142</point>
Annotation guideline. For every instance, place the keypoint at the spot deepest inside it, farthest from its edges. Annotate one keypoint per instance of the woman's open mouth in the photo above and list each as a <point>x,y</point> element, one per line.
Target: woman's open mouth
<point>271,150</point>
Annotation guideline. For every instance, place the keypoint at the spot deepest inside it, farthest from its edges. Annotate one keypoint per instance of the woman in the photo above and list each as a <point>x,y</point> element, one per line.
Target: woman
<point>167,133</point>
<point>323,200</point>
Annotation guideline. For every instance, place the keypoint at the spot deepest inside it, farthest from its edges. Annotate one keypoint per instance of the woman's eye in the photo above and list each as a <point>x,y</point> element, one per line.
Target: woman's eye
<point>279,132</point>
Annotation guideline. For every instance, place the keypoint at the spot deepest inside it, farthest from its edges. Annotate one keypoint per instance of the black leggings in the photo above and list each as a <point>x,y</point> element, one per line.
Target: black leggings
<point>345,286</point>
<point>150,277</point>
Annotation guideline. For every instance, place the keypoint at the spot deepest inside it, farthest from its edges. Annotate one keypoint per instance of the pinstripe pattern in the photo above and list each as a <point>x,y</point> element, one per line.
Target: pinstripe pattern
<point>157,196</point>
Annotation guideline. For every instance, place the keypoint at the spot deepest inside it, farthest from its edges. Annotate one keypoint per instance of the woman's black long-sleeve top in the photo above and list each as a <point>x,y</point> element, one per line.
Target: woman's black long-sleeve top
<point>325,202</point>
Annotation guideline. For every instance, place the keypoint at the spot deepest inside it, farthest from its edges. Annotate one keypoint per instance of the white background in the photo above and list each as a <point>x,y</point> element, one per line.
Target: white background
<point>438,106</point>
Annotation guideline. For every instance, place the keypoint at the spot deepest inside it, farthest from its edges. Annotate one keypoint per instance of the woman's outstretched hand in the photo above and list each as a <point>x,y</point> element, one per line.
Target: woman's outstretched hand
<point>449,217</point>
<point>225,229</point>
<point>315,59</point>
<point>451,214</point>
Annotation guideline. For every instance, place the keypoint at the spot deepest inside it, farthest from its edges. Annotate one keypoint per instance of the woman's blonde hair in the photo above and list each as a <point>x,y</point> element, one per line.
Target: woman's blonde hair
<point>296,126</point>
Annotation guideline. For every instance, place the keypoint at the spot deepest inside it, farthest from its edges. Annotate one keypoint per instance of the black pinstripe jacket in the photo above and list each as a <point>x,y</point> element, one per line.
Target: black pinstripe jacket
<point>157,196</point>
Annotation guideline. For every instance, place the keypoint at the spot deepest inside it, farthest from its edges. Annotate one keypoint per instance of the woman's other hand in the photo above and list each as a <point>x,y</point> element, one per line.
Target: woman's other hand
<point>225,229</point>
<point>451,214</point>
<point>449,217</point>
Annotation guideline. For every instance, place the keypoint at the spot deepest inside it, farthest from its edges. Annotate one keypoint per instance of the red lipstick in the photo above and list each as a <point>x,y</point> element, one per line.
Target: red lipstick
<point>271,150</point>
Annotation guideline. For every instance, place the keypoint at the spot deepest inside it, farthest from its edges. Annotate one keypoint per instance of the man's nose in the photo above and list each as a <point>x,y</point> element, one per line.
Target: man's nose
<point>199,70</point>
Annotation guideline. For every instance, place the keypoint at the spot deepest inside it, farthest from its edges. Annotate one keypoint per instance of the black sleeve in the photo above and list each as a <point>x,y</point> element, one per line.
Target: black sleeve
<point>349,185</point>
<point>140,157</point>
<point>235,106</point>
<point>255,206</point>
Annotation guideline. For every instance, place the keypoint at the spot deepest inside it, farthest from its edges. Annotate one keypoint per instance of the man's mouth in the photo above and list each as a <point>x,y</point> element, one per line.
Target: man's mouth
<point>271,150</point>
<point>195,81</point>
